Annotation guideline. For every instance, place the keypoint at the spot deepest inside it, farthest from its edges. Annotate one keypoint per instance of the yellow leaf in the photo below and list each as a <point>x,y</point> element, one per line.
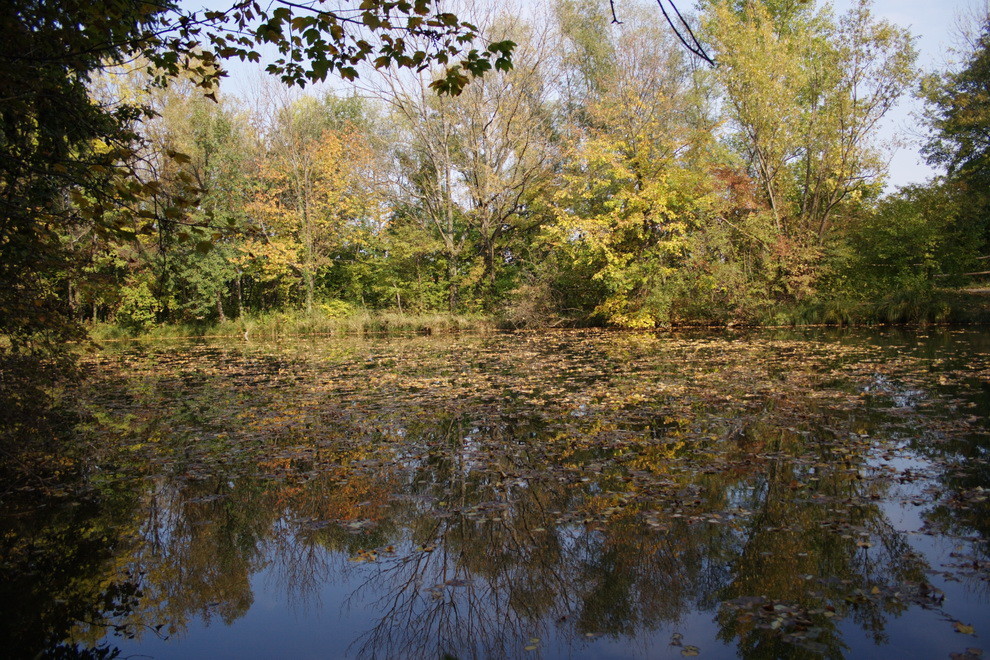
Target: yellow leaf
<point>963,628</point>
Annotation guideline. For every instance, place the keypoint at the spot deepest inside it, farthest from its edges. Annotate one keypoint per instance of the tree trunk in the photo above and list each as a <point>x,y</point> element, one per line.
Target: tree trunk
<point>452,282</point>
<point>308,269</point>
<point>490,261</point>
<point>220,314</point>
<point>240,298</point>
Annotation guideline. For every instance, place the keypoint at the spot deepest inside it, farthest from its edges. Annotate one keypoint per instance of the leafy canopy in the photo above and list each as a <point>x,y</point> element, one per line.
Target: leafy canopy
<point>70,161</point>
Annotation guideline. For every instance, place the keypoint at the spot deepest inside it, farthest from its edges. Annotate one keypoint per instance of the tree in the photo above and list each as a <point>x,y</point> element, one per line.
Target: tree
<point>913,242</point>
<point>57,144</point>
<point>635,183</point>
<point>191,254</point>
<point>69,160</point>
<point>505,155</point>
<point>806,94</point>
<point>424,180</point>
<point>958,112</point>
<point>473,164</point>
<point>314,188</point>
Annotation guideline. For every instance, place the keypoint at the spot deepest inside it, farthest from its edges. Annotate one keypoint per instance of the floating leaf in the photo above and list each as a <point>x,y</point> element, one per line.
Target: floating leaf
<point>963,628</point>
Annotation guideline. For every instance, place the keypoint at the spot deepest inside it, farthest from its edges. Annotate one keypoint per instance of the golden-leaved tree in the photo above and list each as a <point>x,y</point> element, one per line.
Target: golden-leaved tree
<point>313,190</point>
<point>635,184</point>
<point>805,93</point>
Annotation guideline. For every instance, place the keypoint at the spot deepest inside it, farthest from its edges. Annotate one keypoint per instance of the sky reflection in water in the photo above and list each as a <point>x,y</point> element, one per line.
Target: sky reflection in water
<point>573,494</point>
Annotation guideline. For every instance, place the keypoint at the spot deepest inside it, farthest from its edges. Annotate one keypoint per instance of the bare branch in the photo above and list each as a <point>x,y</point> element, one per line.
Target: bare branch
<point>693,45</point>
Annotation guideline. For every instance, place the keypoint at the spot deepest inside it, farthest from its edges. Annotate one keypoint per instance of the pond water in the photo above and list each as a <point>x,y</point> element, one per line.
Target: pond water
<point>569,494</point>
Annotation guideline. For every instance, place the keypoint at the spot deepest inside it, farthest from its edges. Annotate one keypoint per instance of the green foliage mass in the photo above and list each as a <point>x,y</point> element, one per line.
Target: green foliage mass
<point>602,178</point>
<point>73,162</point>
<point>958,106</point>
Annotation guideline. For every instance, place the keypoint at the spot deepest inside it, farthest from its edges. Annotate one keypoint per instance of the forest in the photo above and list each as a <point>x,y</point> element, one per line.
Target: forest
<point>582,169</point>
<point>415,329</point>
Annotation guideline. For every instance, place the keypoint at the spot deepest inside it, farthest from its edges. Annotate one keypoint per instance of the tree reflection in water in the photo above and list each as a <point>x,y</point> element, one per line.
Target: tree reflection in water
<point>477,509</point>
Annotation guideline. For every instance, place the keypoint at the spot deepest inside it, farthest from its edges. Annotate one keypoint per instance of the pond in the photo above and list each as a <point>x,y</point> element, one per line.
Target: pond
<point>579,494</point>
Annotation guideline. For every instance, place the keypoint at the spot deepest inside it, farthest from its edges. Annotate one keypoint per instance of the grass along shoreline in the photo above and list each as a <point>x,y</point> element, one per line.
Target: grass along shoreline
<point>946,307</point>
<point>274,325</point>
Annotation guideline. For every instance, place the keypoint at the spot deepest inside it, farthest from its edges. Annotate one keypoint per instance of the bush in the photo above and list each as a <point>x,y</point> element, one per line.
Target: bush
<point>138,308</point>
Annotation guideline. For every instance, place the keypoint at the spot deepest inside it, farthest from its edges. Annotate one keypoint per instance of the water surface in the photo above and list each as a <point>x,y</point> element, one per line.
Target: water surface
<point>571,494</point>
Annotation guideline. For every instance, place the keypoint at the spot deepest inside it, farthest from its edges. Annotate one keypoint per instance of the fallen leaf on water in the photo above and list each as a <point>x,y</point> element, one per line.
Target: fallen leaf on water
<point>963,628</point>
<point>968,654</point>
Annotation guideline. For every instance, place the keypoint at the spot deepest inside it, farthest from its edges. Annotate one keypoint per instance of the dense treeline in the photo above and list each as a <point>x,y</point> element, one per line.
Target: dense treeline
<point>607,177</point>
